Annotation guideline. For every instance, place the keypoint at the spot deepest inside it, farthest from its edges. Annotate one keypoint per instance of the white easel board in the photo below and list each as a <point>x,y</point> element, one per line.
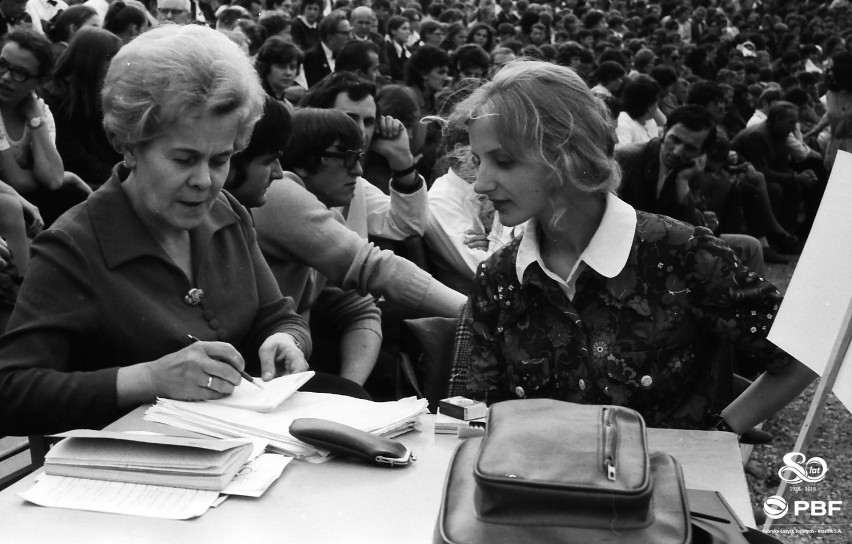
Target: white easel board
<point>810,318</point>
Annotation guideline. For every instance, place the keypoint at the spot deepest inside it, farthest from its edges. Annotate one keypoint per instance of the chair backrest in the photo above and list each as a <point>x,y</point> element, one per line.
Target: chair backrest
<point>438,348</point>
<point>20,456</point>
<point>429,347</point>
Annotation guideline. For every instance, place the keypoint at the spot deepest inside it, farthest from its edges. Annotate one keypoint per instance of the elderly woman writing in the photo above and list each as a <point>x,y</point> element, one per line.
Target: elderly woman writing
<point>158,253</point>
<point>597,302</point>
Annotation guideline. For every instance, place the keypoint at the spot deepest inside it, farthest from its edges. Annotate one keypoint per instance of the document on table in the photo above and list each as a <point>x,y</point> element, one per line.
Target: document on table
<point>257,475</point>
<point>380,418</point>
<point>152,501</point>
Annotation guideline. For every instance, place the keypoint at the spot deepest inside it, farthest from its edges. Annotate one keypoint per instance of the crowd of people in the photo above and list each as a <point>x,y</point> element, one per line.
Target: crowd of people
<point>599,185</point>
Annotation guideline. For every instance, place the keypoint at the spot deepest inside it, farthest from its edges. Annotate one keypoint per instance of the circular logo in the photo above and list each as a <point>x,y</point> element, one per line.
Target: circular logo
<point>775,507</point>
<point>796,469</point>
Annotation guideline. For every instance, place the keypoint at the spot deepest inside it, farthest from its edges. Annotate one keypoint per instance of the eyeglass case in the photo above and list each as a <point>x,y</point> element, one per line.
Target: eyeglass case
<point>352,442</point>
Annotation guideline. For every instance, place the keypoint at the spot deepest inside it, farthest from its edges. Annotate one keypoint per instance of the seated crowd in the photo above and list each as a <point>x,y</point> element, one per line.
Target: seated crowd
<point>262,175</point>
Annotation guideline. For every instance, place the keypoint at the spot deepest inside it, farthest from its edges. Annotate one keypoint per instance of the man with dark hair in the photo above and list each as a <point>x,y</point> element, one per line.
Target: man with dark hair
<point>334,31</point>
<point>359,57</point>
<point>656,174</point>
<point>507,15</point>
<point>404,211</point>
<point>656,177</point>
<point>383,11</point>
<point>709,96</point>
<point>322,265</point>
<point>765,145</point>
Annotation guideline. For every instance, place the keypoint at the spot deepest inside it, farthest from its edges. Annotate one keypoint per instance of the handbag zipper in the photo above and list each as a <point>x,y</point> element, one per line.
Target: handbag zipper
<point>610,444</point>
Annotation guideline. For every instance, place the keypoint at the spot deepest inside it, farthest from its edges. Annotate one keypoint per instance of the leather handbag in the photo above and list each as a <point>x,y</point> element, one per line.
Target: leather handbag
<point>552,471</point>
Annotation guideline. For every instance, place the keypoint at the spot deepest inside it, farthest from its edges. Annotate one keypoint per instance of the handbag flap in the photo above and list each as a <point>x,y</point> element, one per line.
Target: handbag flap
<point>542,457</point>
<point>457,522</point>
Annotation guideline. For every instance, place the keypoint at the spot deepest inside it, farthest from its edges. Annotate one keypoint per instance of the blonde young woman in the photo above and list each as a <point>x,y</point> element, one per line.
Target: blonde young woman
<point>597,302</point>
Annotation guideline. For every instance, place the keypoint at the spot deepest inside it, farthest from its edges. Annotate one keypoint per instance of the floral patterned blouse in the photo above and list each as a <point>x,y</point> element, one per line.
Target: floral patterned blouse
<point>647,338</point>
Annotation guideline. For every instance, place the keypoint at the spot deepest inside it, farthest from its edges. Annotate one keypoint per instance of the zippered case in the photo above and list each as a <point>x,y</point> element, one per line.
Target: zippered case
<point>552,471</point>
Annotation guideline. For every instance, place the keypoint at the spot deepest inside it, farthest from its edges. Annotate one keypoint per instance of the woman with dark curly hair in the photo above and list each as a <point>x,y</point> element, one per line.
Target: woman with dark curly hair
<point>482,35</point>
<point>426,74</point>
<point>278,63</point>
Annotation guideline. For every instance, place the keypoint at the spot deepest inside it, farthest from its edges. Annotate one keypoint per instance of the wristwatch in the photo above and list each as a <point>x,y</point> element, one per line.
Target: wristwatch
<point>36,122</point>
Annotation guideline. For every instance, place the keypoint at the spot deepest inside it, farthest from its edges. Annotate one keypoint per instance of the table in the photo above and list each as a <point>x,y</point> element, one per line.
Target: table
<point>341,500</point>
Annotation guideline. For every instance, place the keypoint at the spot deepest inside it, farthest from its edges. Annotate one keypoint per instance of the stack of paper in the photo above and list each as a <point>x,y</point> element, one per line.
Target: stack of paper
<point>148,459</point>
<point>211,419</point>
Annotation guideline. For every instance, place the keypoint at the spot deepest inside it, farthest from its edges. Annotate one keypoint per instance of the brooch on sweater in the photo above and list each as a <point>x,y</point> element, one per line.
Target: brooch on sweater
<point>194,296</point>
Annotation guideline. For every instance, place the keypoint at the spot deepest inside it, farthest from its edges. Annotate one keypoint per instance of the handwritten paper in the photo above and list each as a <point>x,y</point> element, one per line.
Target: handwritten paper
<point>256,476</point>
<point>809,320</point>
<point>152,501</point>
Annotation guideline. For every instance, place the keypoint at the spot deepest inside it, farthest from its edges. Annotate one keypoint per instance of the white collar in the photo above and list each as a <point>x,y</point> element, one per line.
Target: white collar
<point>607,251</point>
<point>329,54</point>
<point>399,48</point>
<point>307,24</point>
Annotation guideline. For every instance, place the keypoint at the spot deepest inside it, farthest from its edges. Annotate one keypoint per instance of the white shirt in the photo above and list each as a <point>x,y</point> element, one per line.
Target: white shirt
<point>401,51</point>
<point>810,66</point>
<point>300,79</point>
<point>329,55</point>
<point>307,24</point>
<point>631,131</point>
<point>757,117</point>
<point>100,6</point>
<point>41,10</point>
<point>395,217</point>
<point>453,209</point>
<point>413,39</point>
<point>606,253</point>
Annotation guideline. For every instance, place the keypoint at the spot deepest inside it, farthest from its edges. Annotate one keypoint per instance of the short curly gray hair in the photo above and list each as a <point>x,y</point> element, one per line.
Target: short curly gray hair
<point>172,71</point>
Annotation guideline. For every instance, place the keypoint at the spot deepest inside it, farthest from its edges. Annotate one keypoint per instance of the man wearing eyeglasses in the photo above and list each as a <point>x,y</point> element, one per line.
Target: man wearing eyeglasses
<point>403,210</point>
<point>173,11</point>
<point>334,31</point>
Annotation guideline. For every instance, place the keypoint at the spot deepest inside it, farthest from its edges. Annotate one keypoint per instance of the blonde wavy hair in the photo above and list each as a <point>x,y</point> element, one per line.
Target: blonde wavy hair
<point>545,110</point>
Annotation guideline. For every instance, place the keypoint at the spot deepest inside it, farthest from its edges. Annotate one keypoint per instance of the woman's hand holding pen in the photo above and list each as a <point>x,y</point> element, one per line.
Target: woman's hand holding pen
<point>200,371</point>
<point>279,355</point>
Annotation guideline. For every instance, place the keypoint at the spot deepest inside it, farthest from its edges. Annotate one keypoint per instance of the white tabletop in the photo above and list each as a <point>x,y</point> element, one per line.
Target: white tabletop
<point>342,500</point>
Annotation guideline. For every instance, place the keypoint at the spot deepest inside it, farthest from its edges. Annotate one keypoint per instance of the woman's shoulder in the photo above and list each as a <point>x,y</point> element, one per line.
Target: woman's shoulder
<point>502,261</point>
<point>660,230</point>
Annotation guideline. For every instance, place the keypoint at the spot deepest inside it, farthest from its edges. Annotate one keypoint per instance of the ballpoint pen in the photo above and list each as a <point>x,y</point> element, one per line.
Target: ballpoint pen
<point>246,376</point>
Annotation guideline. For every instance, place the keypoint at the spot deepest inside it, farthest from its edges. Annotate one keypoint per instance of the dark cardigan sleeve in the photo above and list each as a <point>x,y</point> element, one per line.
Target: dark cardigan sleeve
<point>56,304</point>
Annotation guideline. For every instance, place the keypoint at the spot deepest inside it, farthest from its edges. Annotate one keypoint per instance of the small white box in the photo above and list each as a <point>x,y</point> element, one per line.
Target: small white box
<point>462,408</point>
